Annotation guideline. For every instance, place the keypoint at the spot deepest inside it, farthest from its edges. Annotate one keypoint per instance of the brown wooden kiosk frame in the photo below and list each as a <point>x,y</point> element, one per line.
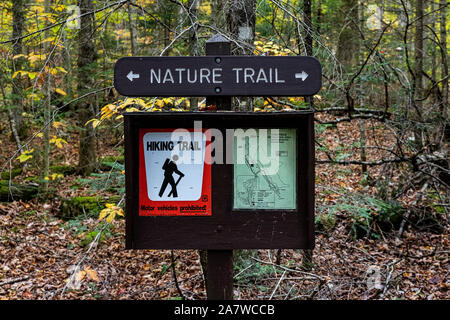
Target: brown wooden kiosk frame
<point>226,228</point>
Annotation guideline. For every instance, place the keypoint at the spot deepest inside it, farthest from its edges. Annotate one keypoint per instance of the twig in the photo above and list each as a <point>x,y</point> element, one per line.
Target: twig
<point>278,284</point>
<point>174,274</point>
<point>390,268</point>
<point>77,267</point>
<point>291,270</point>
<point>14,280</point>
<point>243,271</point>
<point>64,22</point>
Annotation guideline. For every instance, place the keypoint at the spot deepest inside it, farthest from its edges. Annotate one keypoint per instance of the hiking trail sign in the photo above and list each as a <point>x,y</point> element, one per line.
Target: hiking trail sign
<point>175,176</point>
<point>218,75</point>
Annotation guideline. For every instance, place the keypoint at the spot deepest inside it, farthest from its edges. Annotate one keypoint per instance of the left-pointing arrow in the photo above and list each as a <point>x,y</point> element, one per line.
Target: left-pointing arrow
<point>132,75</point>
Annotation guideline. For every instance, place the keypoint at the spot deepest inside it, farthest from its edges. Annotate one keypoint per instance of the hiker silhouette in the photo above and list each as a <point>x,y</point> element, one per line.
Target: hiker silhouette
<point>169,168</point>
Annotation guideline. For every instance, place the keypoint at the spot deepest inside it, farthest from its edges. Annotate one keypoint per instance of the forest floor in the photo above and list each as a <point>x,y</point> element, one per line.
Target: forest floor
<point>45,257</point>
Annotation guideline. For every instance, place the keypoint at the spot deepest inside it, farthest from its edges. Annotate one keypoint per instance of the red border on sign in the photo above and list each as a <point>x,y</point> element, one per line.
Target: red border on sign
<point>205,198</point>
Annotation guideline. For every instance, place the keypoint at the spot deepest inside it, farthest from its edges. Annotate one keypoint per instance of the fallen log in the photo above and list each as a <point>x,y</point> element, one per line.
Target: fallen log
<point>84,205</point>
<point>13,191</point>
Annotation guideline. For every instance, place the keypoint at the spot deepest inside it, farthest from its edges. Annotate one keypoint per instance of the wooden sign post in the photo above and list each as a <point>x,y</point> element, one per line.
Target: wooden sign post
<point>195,180</point>
<point>219,272</point>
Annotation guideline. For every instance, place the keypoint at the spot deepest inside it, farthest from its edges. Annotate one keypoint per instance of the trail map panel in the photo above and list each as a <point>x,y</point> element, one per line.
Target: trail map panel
<point>174,178</point>
<point>258,185</point>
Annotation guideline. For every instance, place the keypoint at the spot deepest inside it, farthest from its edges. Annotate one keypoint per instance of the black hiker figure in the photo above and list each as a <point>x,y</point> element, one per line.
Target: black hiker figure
<point>169,168</point>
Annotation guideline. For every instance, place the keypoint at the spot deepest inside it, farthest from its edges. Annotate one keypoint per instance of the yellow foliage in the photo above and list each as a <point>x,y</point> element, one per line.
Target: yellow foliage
<point>61,69</point>
<point>25,155</point>
<point>32,75</point>
<point>132,109</point>
<point>60,91</point>
<point>58,142</point>
<point>95,122</point>
<point>206,8</point>
<point>18,56</point>
<point>58,124</point>
<point>110,212</point>
<point>35,57</point>
<point>20,72</point>
<point>54,176</point>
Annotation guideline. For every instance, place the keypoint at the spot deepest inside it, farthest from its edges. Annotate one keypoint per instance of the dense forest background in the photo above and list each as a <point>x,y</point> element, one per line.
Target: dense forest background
<point>382,132</point>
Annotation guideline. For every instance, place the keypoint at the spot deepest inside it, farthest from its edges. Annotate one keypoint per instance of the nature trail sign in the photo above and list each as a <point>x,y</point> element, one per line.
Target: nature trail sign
<point>218,76</point>
<point>181,194</point>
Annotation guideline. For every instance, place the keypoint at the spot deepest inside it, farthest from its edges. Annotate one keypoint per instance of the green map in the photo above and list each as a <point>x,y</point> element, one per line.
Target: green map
<point>256,184</point>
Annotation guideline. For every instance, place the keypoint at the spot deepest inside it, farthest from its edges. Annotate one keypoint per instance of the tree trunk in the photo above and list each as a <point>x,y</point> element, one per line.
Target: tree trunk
<point>418,55</point>
<point>418,67</point>
<point>319,16</point>
<point>47,109</point>
<point>218,9</point>
<point>86,58</point>
<point>164,9</point>
<point>18,13</point>
<point>241,23</point>
<point>348,42</point>
<point>362,124</point>
<point>194,49</point>
<point>443,31</point>
<point>133,33</point>
<point>433,47</point>
<point>308,26</point>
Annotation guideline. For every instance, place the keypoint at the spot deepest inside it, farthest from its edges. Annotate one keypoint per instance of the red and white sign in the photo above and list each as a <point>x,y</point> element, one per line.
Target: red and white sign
<point>174,172</point>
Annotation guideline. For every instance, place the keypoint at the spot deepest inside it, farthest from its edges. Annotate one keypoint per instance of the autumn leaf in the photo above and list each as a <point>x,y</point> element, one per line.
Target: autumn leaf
<point>17,56</point>
<point>110,212</point>
<point>91,273</point>
<point>58,124</point>
<point>25,155</point>
<point>95,122</point>
<point>32,75</point>
<point>80,275</point>
<point>20,72</point>
<point>58,142</point>
<point>61,69</point>
<point>61,92</point>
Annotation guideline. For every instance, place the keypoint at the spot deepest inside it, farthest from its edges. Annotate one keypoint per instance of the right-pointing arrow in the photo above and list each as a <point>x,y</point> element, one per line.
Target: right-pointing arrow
<point>303,75</point>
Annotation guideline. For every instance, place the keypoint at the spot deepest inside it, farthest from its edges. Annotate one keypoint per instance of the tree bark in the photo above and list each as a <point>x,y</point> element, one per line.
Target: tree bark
<point>418,55</point>
<point>133,33</point>
<point>18,13</point>
<point>164,9</point>
<point>218,9</point>
<point>319,16</point>
<point>194,49</point>
<point>241,23</point>
<point>86,59</point>
<point>348,42</point>
<point>47,109</point>
<point>443,31</point>
<point>308,26</point>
